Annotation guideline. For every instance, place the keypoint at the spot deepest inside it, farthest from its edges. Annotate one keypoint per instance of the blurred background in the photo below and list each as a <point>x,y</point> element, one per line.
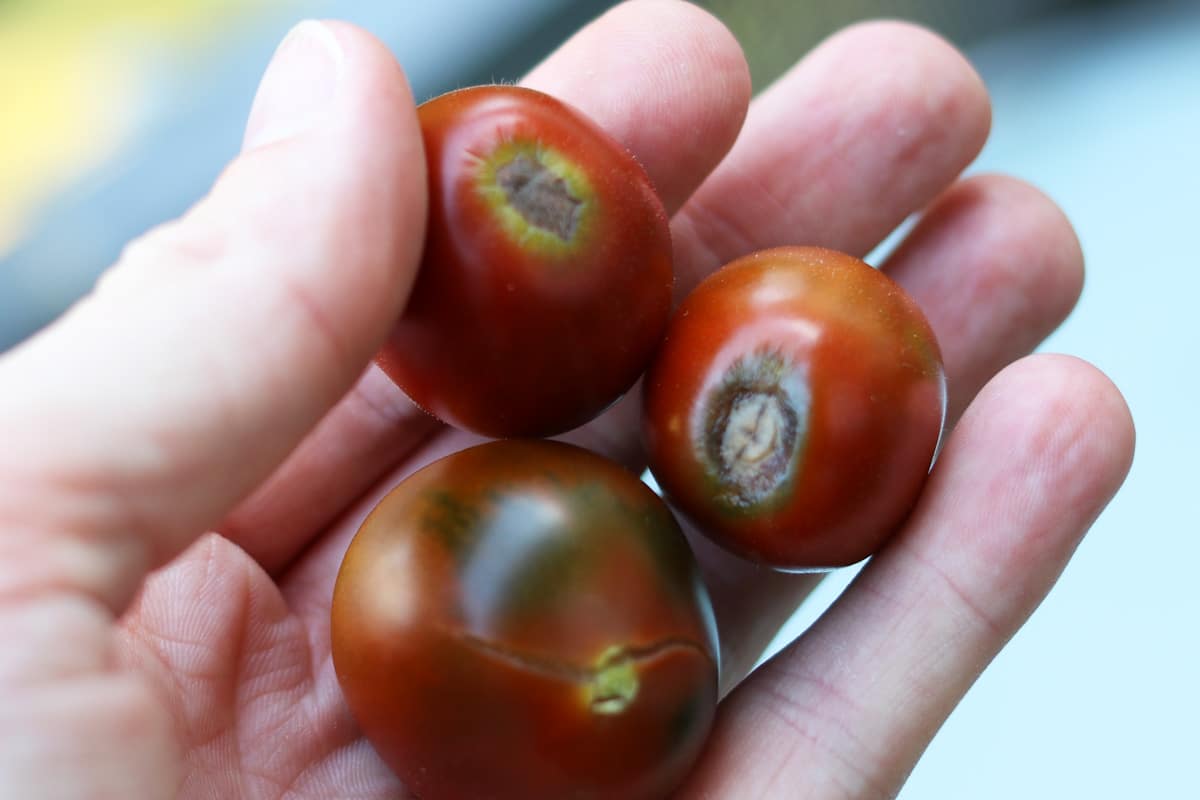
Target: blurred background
<point>117,114</point>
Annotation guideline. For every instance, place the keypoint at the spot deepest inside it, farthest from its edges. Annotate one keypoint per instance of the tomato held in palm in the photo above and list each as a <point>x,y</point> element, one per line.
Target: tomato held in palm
<point>524,619</point>
<point>795,407</point>
<point>546,278</point>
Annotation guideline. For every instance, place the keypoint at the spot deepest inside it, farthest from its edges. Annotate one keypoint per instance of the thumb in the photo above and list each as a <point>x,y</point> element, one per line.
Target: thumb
<point>138,419</point>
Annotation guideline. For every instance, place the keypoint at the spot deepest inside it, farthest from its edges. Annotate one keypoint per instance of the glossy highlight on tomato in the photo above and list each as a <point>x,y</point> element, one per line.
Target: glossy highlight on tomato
<point>546,278</point>
<point>795,407</point>
<point>524,619</point>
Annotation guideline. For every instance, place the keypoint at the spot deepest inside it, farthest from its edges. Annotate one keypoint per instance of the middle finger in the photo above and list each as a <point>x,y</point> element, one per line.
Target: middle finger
<point>864,131</point>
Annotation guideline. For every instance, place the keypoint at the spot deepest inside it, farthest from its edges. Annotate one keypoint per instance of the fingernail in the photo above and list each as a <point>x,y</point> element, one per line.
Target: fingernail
<point>299,86</point>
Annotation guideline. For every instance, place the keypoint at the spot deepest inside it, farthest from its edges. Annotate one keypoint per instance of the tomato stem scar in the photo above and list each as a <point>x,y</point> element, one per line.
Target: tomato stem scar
<point>539,195</point>
<point>613,684</point>
<point>753,428</point>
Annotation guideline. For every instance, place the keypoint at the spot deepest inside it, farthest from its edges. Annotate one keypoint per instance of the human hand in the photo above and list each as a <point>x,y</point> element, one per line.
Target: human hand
<point>218,380</point>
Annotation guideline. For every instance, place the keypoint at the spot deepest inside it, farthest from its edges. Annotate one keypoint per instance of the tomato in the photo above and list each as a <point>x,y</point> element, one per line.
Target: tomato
<point>795,407</point>
<point>546,278</point>
<point>524,619</point>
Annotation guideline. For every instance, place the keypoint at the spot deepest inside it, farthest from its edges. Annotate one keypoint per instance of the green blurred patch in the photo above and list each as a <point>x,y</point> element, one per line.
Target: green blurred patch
<point>777,33</point>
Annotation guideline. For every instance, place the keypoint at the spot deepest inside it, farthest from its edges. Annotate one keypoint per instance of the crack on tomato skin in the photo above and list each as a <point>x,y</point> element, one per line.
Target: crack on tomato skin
<point>540,196</point>
<point>610,685</point>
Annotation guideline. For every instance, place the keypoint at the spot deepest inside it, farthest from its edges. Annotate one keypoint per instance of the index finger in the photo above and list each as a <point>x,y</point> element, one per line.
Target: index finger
<point>635,72</point>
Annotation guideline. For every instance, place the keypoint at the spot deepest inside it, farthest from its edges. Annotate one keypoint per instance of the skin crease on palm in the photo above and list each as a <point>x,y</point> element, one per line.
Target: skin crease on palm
<point>219,380</point>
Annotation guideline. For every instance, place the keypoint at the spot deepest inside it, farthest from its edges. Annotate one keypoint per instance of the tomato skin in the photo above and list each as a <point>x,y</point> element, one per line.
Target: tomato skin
<point>836,381</point>
<point>479,605</point>
<point>514,329</point>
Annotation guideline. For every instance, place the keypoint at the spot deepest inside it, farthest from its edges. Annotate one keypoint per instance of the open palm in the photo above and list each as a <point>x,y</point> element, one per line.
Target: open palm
<point>218,380</point>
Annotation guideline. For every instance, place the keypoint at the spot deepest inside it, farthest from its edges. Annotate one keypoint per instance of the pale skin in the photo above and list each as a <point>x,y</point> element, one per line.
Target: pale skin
<point>187,452</point>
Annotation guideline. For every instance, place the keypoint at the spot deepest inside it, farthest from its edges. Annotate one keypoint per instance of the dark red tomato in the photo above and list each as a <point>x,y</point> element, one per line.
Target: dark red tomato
<point>795,407</point>
<point>524,619</point>
<point>546,280</point>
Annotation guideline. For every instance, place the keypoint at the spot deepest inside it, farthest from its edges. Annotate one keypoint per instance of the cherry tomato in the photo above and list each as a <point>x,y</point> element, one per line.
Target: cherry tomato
<point>546,280</point>
<point>795,407</point>
<point>524,619</point>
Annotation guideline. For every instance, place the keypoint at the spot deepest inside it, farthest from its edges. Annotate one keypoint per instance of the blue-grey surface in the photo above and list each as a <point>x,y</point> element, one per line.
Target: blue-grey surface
<point>1099,695</point>
<point>442,45</point>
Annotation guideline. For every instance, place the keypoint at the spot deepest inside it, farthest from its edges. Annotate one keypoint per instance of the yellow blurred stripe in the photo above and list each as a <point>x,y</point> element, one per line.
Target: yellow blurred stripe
<point>68,79</point>
<point>65,111</point>
<point>67,18</point>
